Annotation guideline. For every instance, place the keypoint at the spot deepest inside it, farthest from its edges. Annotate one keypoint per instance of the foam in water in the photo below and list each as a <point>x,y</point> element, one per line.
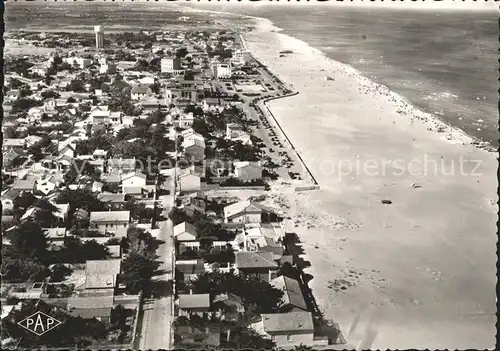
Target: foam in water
<point>454,134</point>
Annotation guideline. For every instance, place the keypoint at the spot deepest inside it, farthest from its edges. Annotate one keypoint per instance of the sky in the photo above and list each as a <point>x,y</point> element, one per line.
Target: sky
<point>399,4</point>
<point>406,4</point>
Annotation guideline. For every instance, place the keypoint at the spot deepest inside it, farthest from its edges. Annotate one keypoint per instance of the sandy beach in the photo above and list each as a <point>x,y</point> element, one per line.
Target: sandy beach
<point>418,272</point>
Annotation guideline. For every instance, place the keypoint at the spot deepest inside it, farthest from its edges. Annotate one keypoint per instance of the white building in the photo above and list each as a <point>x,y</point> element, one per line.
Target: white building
<point>107,68</point>
<point>240,57</point>
<point>171,65</point>
<point>222,70</point>
<point>79,61</point>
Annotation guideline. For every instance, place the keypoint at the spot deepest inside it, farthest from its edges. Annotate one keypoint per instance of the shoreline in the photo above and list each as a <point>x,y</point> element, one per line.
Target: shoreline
<point>358,75</point>
<point>382,267</point>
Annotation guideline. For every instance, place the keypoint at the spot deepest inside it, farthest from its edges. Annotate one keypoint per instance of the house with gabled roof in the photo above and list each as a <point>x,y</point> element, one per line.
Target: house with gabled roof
<point>100,115</point>
<point>133,179</point>
<point>185,232</point>
<point>292,293</point>
<point>256,263</point>
<point>139,92</point>
<point>109,221</point>
<point>189,182</point>
<point>190,304</point>
<point>242,212</point>
<point>288,329</point>
<point>88,307</point>
<point>189,269</point>
<point>194,148</point>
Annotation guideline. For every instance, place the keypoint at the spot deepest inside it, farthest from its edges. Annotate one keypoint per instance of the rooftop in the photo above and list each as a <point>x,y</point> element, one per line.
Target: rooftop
<point>110,216</point>
<point>187,301</point>
<point>185,227</point>
<point>96,281</point>
<point>102,267</point>
<point>292,292</point>
<point>246,259</point>
<point>291,321</point>
<point>239,207</point>
<point>90,302</point>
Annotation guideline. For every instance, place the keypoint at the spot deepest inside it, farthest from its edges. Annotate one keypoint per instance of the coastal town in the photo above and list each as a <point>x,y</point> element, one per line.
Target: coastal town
<point>135,172</point>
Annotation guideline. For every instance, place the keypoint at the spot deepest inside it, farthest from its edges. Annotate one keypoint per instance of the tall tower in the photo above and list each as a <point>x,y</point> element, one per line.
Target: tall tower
<point>99,37</point>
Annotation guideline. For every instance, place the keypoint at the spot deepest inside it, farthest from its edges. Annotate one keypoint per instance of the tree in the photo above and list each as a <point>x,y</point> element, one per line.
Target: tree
<point>74,251</point>
<point>24,200</point>
<point>258,295</point>
<point>24,104</point>
<point>48,94</point>
<point>71,99</point>
<point>80,198</point>
<point>59,272</point>
<point>178,216</point>
<point>182,52</point>
<point>76,85</point>
<point>28,240</point>
<point>15,83</point>
<point>302,347</point>
<point>138,270</point>
<point>246,338</point>
<point>44,213</point>
<point>23,269</point>
<point>75,331</point>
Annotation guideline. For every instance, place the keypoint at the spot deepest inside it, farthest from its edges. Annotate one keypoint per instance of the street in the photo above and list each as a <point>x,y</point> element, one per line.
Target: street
<point>158,317</point>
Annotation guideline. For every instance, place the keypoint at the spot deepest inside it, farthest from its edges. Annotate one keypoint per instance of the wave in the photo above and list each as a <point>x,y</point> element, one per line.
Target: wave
<point>302,47</point>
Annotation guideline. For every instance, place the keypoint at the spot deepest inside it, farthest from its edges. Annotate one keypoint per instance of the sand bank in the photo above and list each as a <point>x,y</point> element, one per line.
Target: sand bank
<point>417,273</point>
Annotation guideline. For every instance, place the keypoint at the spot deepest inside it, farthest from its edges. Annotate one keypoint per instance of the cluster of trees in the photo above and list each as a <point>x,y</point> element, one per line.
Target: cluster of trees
<point>99,140</point>
<point>24,104</point>
<point>27,257</point>
<point>81,168</point>
<point>235,150</point>
<point>76,85</point>
<point>141,263</point>
<point>124,56</point>
<point>150,141</point>
<point>258,296</point>
<point>64,127</point>
<point>141,213</point>
<point>48,94</point>
<point>37,149</point>
<point>220,51</point>
<point>72,331</point>
<point>131,37</point>
<point>209,254</point>
<point>18,65</point>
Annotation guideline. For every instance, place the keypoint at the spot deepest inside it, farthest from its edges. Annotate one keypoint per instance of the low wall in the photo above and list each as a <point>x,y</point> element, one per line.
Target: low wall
<point>307,188</point>
<point>136,320</point>
<point>242,187</point>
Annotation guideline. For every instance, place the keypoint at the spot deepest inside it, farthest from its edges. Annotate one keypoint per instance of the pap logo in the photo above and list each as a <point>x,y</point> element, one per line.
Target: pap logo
<point>39,323</point>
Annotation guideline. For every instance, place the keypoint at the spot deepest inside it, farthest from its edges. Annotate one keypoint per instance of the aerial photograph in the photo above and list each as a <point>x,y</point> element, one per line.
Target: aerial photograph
<point>281,175</point>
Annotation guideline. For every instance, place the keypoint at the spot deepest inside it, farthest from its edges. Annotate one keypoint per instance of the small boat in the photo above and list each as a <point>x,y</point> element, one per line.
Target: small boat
<point>329,78</point>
